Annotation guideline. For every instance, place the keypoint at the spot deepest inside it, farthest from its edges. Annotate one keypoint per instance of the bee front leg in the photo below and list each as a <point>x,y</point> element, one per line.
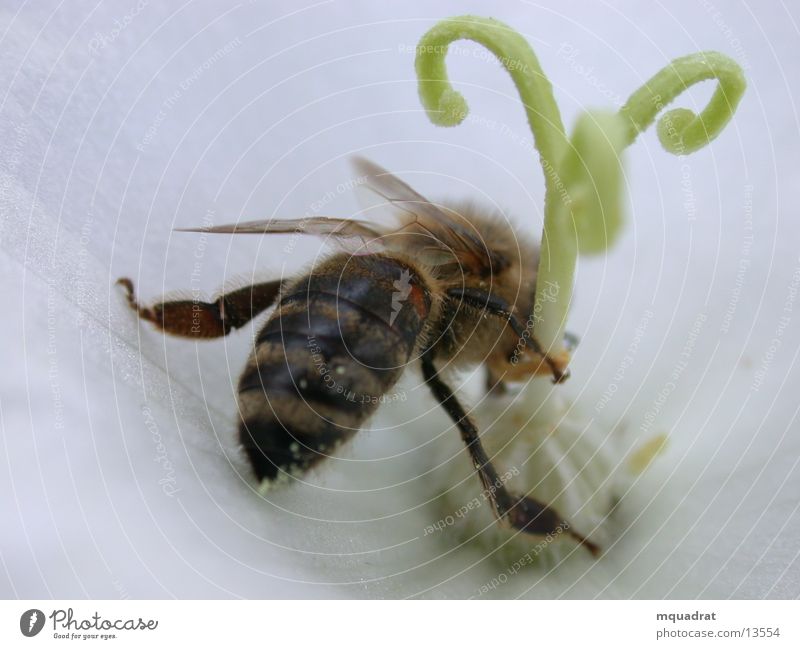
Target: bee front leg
<point>495,381</point>
<point>520,512</point>
<point>498,307</point>
<point>196,319</point>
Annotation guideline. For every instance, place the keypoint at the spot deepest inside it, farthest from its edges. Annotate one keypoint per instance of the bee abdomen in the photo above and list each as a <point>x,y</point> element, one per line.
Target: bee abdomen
<point>335,344</point>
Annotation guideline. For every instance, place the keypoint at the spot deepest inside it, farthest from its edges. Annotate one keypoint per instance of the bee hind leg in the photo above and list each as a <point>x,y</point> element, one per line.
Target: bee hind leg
<point>198,319</point>
<point>520,512</point>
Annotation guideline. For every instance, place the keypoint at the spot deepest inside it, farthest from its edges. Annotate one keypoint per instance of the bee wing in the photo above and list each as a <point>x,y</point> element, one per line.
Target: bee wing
<point>314,225</point>
<point>347,234</point>
<point>433,234</point>
<point>443,226</point>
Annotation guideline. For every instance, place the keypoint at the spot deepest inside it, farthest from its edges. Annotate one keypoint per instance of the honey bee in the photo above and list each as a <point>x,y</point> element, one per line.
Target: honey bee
<point>442,286</point>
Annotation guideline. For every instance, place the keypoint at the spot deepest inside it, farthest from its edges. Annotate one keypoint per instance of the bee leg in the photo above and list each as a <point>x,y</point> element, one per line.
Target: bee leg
<point>495,385</point>
<point>530,364</point>
<point>571,341</point>
<point>496,306</point>
<point>520,512</point>
<point>196,319</point>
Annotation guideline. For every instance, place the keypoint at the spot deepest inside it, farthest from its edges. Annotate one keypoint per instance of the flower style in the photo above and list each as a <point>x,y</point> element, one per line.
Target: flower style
<point>563,458</point>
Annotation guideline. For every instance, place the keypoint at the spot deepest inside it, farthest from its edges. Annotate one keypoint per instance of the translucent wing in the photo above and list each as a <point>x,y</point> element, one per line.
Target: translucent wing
<point>443,227</point>
<point>315,225</point>
<point>436,235</point>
